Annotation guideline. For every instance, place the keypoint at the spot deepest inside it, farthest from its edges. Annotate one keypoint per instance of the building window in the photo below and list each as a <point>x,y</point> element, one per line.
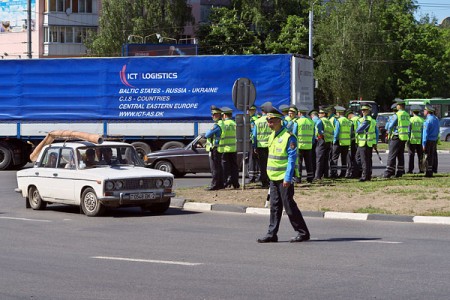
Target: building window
<point>77,6</point>
<point>66,34</point>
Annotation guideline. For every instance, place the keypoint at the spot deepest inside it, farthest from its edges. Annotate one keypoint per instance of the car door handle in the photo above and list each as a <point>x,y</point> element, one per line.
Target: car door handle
<point>55,174</point>
<point>37,173</point>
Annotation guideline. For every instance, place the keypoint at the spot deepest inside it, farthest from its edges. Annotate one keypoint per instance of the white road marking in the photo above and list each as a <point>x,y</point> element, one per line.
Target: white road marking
<point>169,262</point>
<point>25,219</point>
<point>378,242</point>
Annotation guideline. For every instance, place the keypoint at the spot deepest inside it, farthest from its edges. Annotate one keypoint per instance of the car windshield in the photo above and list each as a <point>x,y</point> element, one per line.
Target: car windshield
<point>100,156</point>
<point>444,122</point>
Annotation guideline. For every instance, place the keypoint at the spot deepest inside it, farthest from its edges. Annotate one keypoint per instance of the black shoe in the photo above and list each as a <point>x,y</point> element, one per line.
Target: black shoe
<point>268,239</point>
<point>236,186</point>
<point>299,238</point>
<point>212,188</point>
<point>362,180</point>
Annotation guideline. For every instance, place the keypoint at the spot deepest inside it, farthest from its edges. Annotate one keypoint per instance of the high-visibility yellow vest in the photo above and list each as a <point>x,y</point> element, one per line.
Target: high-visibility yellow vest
<point>278,156</point>
<point>403,122</point>
<point>368,138</point>
<point>210,142</point>
<point>305,132</point>
<point>354,120</point>
<point>327,130</point>
<point>416,130</point>
<point>345,126</point>
<point>263,132</point>
<point>227,142</point>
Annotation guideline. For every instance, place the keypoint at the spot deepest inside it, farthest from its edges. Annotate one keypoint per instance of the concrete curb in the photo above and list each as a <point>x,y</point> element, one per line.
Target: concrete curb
<point>406,151</point>
<point>202,207</point>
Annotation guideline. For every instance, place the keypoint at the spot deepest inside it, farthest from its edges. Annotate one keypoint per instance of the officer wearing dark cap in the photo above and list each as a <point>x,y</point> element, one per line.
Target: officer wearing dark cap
<point>353,160</point>
<point>399,125</point>
<point>341,143</point>
<point>261,133</point>
<point>227,146</point>
<point>415,139</point>
<point>430,137</point>
<point>367,133</point>
<point>291,118</point>
<point>280,169</point>
<point>212,146</point>
<point>318,129</point>
<point>323,147</point>
<point>305,139</point>
<point>284,108</point>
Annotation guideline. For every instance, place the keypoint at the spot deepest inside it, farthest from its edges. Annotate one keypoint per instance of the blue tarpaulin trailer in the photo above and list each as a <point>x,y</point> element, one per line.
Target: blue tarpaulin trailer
<point>153,102</point>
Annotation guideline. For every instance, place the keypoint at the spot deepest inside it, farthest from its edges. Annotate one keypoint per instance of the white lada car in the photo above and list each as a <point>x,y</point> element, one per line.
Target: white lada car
<point>94,176</point>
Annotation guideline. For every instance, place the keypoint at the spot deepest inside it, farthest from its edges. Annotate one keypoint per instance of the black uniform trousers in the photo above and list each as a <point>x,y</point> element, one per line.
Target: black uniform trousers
<point>322,158</point>
<point>412,150</point>
<point>337,151</point>
<point>263,155</point>
<point>431,152</point>
<point>280,197</point>
<point>215,164</point>
<point>365,153</point>
<point>306,156</point>
<point>230,169</point>
<point>352,166</point>
<point>253,166</point>
<point>396,152</point>
<point>313,157</point>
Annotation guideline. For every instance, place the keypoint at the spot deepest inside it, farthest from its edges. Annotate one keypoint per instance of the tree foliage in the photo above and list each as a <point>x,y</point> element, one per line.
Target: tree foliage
<point>121,19</point>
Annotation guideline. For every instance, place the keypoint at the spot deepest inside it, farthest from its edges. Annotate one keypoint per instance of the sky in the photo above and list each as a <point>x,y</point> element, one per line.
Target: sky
<point>439,8</point>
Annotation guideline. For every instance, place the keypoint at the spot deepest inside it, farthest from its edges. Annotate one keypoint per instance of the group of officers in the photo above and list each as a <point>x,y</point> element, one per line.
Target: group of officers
<point>284,139</point>
<point>324,136</point>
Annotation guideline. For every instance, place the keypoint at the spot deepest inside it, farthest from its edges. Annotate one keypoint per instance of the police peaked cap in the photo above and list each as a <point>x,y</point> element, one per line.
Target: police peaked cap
<point>253,107</point>
<point>339,108</point>
<point>366,106</point>
<point>293,108</point>
<point>394,106</point>
<point>283,107</point>
<point>226,110</point>
<point>266,106</point>
<point>302,108</point>
<point>313,111</point>
<point>415,108</point>
<point>400,101</point>
<point>274,113</point>
<point>215,109</point>
<point>348,112</point>
<point>429,108</point>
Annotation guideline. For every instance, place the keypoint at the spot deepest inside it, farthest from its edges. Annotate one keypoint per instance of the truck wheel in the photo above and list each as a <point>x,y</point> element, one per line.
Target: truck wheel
<point>172,145</point>
<point>141,148</point>
<point>5,157</point>
<point>90,205</point>
<point>35,200</point>
<point>164,165</point>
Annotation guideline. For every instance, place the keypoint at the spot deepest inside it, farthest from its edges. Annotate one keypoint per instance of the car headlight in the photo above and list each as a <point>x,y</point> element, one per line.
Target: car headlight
<point>109,185</point>
<point>167,182</point>
<point>118,185</point>
<point>159,183</point>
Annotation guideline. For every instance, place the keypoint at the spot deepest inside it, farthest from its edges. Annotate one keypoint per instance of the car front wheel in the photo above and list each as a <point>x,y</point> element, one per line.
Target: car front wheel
<point>165,166</point>
<point>34,199</point>
<point>90,205</point>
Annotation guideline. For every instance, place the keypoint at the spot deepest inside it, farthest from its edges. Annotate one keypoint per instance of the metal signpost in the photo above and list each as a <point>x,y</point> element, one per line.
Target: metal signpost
<point>244,95</point>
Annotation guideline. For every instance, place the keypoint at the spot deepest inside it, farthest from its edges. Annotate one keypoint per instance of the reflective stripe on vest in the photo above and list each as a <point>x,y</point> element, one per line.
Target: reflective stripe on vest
<point>210,142</point>
<point>278,157</point>
<point>368,138</point>
<point>327,130</point>
<point>305,132</point>
<point>345,126</point>
<point>416,130</point>
<point>403,125</point>
<point>227,142</point>
<point>263,132</point>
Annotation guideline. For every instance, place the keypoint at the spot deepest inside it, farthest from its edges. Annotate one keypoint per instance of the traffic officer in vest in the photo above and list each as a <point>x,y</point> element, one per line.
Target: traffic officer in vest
<point>341,143</point>
<point>284,108</point>
<point>367,133</point>
<point>227,146</point>
<point>430,136</point>
<point>253,167</point>
<point>323,147</point>
<point>261,133</point>
<point>291,119</point>
<point>400,134</point>
<point>305,138</point>
<point>212,146</point>
<point>280,169</point>
<point>415,139</point>
<point>352,162</point>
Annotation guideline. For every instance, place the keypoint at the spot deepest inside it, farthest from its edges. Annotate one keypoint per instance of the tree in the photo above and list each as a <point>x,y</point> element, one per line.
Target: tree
<point>121,19</point>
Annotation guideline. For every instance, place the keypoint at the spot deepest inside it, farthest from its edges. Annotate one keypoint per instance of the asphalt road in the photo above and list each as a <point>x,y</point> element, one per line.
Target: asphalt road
<point>61,254</point>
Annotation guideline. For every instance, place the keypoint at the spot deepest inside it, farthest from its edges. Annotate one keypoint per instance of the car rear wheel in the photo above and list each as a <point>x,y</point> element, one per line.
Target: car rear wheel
<point>141,148</point>
<point>90,205</point>
<point>34,199</point>
<point>172,145</point>
<point>164,165</point>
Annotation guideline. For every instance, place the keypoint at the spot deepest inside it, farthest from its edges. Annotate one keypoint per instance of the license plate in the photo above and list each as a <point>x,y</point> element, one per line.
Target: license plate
<point>142,196</point>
